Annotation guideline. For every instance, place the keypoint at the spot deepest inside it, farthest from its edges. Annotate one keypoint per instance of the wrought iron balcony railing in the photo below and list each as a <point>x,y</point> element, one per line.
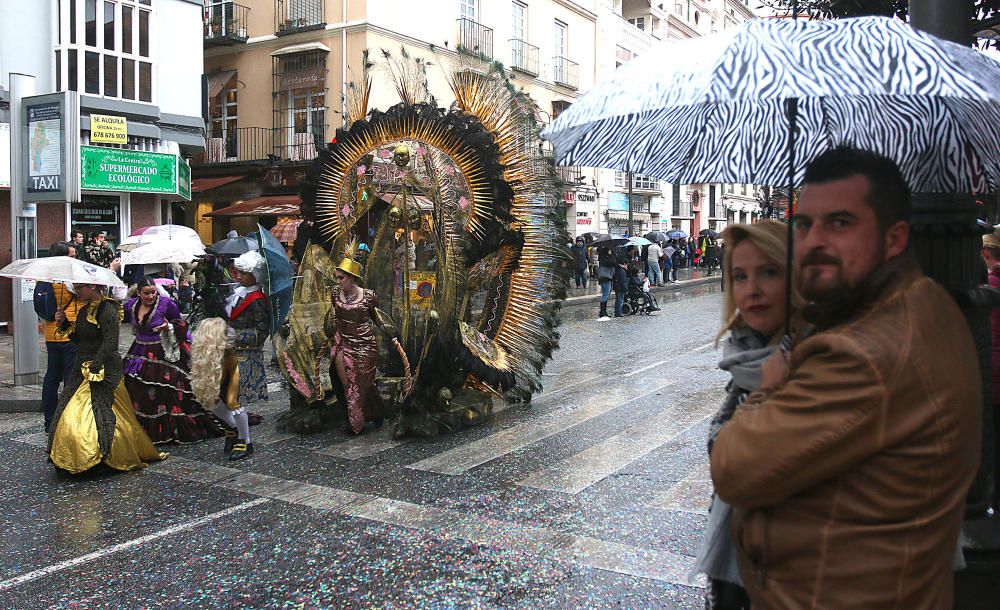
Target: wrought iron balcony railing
<point>565,72</point>
<point>240,145</point>
<point>294,144</point>
<point>474,38</point>
<point>571,175</point>
<point>291,16</point>
<point>225,23</point>
<point>523,56</point>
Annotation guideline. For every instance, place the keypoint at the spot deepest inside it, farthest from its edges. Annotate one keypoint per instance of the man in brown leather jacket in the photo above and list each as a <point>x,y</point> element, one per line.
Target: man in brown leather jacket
<point>849,468</point>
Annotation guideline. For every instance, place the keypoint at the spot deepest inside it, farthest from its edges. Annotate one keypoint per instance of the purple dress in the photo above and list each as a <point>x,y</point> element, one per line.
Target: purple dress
<point>158,381</point>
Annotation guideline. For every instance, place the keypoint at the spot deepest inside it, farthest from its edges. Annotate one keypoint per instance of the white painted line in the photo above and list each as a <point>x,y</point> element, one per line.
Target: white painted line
<point>692,494</point>
<point>89,557</point>
<point>645,368</point>
<point>705,347</point>
<point>460,459</point>
<point>38,439</point>
<point>363,446</point>
<point>546,395</point>
<point>276,386</point>
<point>581,470</point>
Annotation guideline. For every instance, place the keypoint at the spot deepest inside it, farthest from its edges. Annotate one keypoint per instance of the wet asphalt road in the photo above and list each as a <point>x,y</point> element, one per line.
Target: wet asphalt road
<point>593,497</point>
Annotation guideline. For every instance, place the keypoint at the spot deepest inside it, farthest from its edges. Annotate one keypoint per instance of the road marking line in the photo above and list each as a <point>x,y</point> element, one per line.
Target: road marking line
<point>465,457</point>
<point>180,527</point>
<point>581,470</point>
<point>645,368</point>
<point>546,395</point>
<point>37,439</point>
<point>363,446</point>
<point>692,494</point>
<point>705,347</point>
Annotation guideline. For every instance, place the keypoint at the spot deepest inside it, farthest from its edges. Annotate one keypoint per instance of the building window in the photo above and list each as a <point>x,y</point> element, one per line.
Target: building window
<point>676,200</point>
<point>639,181</point>
<point>639,22</point>
<point>111,49</point>
<point>519,21</point>
<point>743,189</point>
<point>711,201</point>
<point>300,104</point>
<point>468,9</point>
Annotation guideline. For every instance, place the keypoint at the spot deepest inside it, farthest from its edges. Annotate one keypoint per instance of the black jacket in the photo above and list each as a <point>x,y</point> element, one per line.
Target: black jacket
<point>580,258</point>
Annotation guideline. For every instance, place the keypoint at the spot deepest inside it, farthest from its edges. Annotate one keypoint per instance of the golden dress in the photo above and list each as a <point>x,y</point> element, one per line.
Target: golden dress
<point>94,422</point>
<point>351,329</point>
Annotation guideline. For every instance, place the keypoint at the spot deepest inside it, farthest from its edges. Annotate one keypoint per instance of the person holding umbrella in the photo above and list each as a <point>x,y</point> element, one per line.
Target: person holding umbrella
<point>94,422</point>
<point>606,265</point>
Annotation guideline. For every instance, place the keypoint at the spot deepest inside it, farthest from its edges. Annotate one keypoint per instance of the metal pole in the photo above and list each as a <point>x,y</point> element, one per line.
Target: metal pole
<point>23,317</point>
<point>948,19</point>
<point>628,175</point>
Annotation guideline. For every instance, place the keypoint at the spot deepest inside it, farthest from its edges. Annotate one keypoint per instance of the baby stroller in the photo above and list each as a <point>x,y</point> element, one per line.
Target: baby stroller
<point>636,301</point>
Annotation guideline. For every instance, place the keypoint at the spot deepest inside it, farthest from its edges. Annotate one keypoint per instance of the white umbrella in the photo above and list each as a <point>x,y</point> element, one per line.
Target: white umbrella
<point>158,234</point>
<point>61,269</point>
<point>638,242</point>
<point>172,251</point>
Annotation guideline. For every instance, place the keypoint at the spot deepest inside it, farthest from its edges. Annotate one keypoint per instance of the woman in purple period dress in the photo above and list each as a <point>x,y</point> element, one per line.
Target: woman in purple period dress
<point>157,371</point>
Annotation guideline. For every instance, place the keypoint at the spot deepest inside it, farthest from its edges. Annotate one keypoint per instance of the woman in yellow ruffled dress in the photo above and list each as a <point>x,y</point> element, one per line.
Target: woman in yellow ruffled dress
<point>94,422</point>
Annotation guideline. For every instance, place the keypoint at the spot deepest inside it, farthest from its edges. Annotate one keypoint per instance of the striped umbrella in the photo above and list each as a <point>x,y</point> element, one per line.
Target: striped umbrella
<point>719,108</point>
<point>286,230</point>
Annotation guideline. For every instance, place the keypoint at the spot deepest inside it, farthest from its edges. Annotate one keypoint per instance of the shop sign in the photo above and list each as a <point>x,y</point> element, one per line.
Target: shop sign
<point>586,198</point>
<point>569,197</point>
<point>95,210</point>
<point>134,171</point>
<point>583,218</point>
<point>5,155</point>
<point>184,179</point>
<point>107,129</point>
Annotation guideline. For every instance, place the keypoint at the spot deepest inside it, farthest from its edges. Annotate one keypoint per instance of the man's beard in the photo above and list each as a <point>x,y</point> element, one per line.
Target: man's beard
<point>837,300</point>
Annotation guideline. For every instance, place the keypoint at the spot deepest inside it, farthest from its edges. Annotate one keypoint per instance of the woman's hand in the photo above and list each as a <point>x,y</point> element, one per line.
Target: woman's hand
<point>60,316</point>
<point>774,371</point>
<point>160,328</point>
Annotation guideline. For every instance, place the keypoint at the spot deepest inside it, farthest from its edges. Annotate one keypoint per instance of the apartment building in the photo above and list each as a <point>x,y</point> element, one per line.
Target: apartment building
<point>137,61</point>
<point>632,28</point>
<point>276,72</point>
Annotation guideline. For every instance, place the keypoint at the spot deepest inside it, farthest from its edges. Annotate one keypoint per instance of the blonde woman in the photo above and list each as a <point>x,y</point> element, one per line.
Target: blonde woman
<point>756,284</point>
<point>215,379</point>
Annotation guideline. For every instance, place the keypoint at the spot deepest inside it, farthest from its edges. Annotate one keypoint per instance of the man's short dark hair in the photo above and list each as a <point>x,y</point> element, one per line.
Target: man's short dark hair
<point>59,248</point>
<point>888,193</point>
<point>74,233</point>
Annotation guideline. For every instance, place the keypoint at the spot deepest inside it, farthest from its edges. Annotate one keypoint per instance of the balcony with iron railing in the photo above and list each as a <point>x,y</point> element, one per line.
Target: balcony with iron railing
<point>565,72</point>
<point>240,145</point>
<point>225,23</point>
<point>523,57</point>
<point>291,16</point>
<point>570,175</point>
<point>298,144</point>
<point>474,38</point>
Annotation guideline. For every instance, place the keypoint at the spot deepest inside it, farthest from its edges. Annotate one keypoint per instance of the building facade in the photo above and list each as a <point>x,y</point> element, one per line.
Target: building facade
<point>138,61</point>
<point>276,73</point>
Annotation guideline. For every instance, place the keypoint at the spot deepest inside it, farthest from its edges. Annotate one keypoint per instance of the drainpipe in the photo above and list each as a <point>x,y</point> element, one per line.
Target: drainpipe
<point>343,61</point>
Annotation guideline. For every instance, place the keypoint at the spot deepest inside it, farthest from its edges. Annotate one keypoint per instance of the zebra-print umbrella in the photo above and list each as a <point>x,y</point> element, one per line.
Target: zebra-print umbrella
<point>715,109</point>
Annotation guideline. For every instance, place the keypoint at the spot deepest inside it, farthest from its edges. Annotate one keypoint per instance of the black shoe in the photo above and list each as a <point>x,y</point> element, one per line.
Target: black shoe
<point>241,450</point>
<point>227,449</point>
<point>378,422</point>
<point>619,315</point>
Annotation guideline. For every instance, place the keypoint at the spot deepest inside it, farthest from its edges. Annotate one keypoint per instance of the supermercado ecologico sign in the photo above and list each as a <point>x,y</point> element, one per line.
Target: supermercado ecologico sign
<point>114,169</point>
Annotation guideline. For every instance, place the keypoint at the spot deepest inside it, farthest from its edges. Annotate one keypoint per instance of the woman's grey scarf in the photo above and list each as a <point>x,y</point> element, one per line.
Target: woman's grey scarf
<point>743,355</point>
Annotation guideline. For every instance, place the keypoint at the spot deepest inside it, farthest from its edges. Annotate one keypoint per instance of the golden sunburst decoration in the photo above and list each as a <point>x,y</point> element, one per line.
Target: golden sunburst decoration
<point>383,130</point>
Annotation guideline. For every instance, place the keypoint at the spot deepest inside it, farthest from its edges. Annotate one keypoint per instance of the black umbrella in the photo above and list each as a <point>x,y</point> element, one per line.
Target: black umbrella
<point>656,237</point>
<point>708,233</point>
<point>233,246</point>
<point>591,236</point>
<point>607,241</point>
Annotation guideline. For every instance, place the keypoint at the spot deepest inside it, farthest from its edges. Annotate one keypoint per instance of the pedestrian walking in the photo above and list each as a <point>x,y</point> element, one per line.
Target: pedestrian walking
<point>864,439</point>
<point>605,277</point>
<point>60,351</point>
<point>592,252</point>
<point>653,256</point>
<point>580,261</point>
<point>753,314</point>
<point>677,261</point>
<point>621,283</point>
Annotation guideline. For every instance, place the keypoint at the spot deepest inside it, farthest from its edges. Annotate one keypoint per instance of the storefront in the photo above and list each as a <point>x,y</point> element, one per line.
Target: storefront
<point>123,190</point>
<point>618,214</point>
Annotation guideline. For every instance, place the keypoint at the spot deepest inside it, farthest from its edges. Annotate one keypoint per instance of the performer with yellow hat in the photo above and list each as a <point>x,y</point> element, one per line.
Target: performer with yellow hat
<point>350,326</point>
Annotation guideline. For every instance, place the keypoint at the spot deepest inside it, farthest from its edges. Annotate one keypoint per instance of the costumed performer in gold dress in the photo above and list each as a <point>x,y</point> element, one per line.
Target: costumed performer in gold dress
<point>350,326</point>
<point>94,422</point>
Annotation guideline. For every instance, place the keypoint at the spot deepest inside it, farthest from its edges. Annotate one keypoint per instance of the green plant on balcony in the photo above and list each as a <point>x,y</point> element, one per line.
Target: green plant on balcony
<point>216,24</point>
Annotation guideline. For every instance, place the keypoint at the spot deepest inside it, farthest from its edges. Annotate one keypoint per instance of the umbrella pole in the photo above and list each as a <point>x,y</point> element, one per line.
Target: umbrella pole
<point>792,111</point>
